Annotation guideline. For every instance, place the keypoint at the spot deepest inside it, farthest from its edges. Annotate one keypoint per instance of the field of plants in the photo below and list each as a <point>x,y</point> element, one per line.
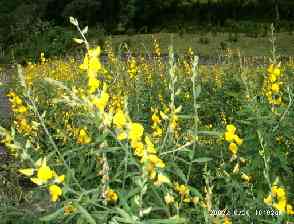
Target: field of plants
<point>148,140</point>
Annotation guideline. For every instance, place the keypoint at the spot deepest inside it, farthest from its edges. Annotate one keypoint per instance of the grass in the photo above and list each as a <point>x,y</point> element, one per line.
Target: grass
<point>248,46</point>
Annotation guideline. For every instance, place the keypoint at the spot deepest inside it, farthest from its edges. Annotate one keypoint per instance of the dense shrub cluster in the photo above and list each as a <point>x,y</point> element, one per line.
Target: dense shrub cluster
<point>149,141</point>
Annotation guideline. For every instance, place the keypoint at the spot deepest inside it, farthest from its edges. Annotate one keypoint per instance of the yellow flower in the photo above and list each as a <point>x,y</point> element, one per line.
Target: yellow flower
<point>121,136</point>
<point>136,131</point>
<point>150,145</point>
<point>246,177</point>
<point>111,196</point>
<point>119,119</point>
<point>168,198</point>
<point>290,210</point>
<point>139,148</point>
<point>55,192</point>
<point>238,140</point>
<point>21,109</point>
<point>182,189</point>
<point>27,172</point>
<point>277,72</point>
<point>155,119</point>
<point>268,200</point>
<point>281,205</point>
<point>157,132</point>
<point>195,200</point>
<point>233,148</point>
<point>161,179</point>
<point>58,179</point>
<point>275,87</point>
<point>101,102</point>
<point>44,172</point>
<point>229,136</point>
<point>231,128</point>
<point>156,161</point>
<point>83,137</point>
<point>69,208</point>
<point>227,221</point>
<point>272,78</point>
<point>279,192</point>
<point>274,69</point>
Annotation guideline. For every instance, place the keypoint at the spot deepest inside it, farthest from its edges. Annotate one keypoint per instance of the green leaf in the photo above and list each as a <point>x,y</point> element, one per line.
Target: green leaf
<point>73,21</point>
<point>197,91</point>
<point>173,220</point>
<point>79,41</point>
<point>179,172</point>
<point>52,216</point>
<point>85,30</point>
<point>126,218</point>
<point>86,214</point>
<point>202,160</point>
<point>210,133</point>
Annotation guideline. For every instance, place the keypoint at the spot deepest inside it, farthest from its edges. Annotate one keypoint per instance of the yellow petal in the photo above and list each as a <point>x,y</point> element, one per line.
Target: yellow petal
<point>37,181</point>
<point>27,172</point>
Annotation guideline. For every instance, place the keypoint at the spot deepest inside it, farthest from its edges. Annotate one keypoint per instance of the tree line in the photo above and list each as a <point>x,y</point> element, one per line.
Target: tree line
<point>124,14</point>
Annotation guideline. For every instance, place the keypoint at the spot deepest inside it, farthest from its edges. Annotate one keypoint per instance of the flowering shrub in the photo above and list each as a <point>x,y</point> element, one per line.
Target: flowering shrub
<point>141,141</point>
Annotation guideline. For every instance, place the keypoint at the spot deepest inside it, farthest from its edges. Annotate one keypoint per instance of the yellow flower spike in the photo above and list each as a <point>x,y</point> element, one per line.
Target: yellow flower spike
<point>233,148</point>
<point>161,179</point>
<point>93,84</point>
<point>91,61</point>
<point>55,192</point>
<point>136,131</point>
<point>27,172</point>
<point>119,119</point>
<point>231,128</point>
<point>168,198</point>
